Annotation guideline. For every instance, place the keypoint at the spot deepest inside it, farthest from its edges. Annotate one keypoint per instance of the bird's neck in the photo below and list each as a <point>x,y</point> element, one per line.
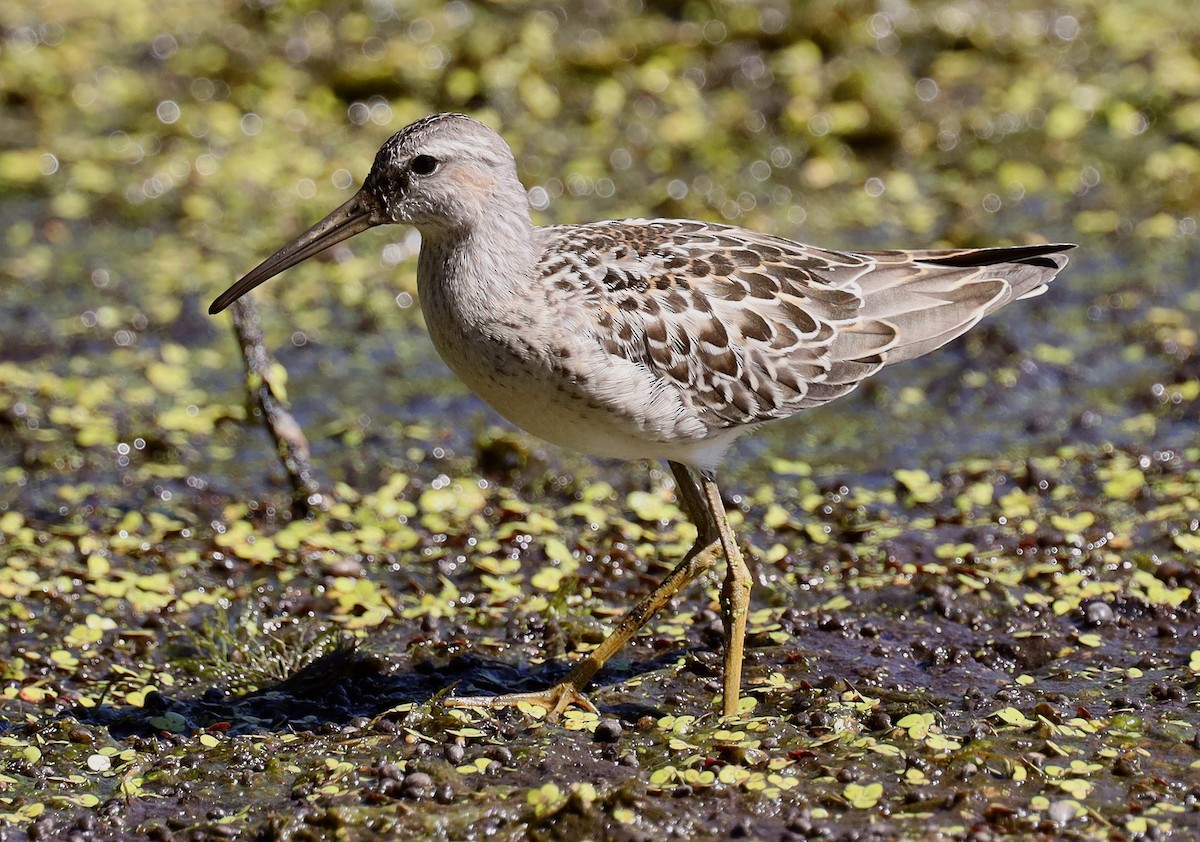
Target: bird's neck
<point>477,274</point>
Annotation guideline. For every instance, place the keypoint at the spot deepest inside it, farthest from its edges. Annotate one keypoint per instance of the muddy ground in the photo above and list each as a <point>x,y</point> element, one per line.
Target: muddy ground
<point>976,604</point>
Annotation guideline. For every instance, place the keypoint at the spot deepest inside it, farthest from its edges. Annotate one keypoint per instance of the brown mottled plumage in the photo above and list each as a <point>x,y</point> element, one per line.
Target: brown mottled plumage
<point>650,338</point>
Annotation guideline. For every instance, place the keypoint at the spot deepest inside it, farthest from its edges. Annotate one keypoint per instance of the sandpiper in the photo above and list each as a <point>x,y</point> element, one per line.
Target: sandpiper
<point>649,338</point>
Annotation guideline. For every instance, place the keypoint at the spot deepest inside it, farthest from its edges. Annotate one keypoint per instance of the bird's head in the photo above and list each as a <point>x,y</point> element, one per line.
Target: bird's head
<point>442,174</point>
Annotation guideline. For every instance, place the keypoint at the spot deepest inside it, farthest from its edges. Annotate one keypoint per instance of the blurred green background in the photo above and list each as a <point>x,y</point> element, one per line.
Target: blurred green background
<point>150,153</point>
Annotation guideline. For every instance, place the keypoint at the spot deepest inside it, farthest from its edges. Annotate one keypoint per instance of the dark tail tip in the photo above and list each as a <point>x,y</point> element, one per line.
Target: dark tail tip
<point>1028,255</point>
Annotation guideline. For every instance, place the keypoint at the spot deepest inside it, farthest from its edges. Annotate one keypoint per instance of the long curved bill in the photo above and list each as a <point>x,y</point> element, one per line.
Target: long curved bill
<point>355,216</point>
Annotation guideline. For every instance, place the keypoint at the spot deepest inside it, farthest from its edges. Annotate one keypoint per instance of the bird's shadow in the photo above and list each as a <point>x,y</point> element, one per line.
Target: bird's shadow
<point>344,685</point>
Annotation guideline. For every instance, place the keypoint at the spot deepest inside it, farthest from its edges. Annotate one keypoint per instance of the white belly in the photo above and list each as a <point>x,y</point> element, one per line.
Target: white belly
<point>596,405</point>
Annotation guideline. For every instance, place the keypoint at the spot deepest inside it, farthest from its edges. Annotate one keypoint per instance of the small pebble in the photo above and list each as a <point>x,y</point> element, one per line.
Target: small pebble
<point>741,830</point>
<point>389,771</point>
<point>1124,767</point>
<point>878,720</point>
<point>609,731</point>
<point>1061,812</point>
<point>1099,613</point>
<point>417,785</point>
<point>419,779</point>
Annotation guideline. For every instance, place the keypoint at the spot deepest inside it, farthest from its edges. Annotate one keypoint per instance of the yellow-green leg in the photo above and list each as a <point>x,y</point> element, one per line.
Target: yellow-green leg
<point>735,598</point>
<point>713,536</point>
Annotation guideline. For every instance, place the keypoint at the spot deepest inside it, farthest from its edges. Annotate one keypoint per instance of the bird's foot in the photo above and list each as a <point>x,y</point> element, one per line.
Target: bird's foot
<point>555,700</point>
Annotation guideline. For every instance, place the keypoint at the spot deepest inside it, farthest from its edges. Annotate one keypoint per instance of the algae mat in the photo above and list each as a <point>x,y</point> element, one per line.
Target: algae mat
<point>976,603</point>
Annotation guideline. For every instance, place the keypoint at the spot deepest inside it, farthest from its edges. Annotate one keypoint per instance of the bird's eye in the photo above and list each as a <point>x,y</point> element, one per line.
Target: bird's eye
<point>424,164</point>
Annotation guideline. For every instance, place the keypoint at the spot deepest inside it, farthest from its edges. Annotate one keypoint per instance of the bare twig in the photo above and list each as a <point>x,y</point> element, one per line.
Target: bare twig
<point>263,376</point>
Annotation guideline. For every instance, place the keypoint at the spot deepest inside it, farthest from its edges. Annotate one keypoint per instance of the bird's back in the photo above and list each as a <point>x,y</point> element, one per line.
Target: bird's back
<point>749,327</point>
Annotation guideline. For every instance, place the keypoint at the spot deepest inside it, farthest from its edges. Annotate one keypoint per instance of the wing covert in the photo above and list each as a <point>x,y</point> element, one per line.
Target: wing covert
<point>747,327</point>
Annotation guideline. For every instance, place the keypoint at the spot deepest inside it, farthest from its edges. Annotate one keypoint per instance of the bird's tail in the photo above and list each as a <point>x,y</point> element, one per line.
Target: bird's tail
<point>921,300</point>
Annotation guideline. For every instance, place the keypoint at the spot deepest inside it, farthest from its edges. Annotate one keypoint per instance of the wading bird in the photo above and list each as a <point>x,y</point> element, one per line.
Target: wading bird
<point>649,338</point>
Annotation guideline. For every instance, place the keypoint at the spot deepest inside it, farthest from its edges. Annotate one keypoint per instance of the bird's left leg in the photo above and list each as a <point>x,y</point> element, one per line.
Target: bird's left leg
<point>735,595</point>
<point>710,541</point>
